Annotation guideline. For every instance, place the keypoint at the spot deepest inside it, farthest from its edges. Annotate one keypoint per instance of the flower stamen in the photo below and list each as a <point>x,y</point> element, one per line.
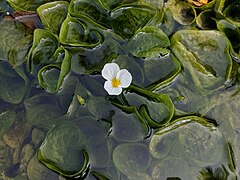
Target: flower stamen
<point>116,82</point>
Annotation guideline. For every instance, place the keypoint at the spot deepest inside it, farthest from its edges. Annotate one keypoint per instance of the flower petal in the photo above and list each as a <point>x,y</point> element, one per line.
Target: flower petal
<point>125,78</point>
<point>110,71</point>
<point>111,90</point>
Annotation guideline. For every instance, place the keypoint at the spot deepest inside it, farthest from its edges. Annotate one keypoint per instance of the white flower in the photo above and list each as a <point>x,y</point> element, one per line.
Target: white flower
<point>116,78</point>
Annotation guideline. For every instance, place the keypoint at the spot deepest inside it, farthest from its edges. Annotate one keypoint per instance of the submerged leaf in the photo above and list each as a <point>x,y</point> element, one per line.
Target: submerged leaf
<point>7,118</point>
<point>130,126</point>
<point>132,160</point>
<point>12,85</point>
<point>18,53</point>
<point>62,150</point>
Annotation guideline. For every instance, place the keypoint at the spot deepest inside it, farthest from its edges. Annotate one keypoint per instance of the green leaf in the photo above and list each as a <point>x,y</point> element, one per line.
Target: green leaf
<point>48,77</point>
<point>158,4</point>
<point>205,57</point>
<point>100,108</point>
<point>43,110</point>
<point>127,19</point>
<point>182,12</point>
<point>11,36</point>
<point>12,85</point>
<point>51,77</point>
<point>37,171</point>
<point>164,20</point>
<point>125,62</point>
<point>92,86</point>
<point>62,150</point>
<point>7,118</point>
<point>18,53</point>
<point>132,160</point>
<point>231,31</point>
<point>99,176</point>
<point>96,143</point>
<point>91,9</point>
<point>24,5</point>
<point>129,126</point>
<point>157,109</point>
<point>229,10</point>
<point>87,61</point>
<point>52,15</point>
<point>147,41</point>
<point>75,32</point>
<point>191,137</point>
<point>206,20</point>
<point>172,168</point>
<point>42,51</point>
<point>160,71</point>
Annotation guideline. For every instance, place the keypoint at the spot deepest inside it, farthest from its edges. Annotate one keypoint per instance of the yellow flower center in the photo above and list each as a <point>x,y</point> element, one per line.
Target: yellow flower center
<point>116,82</point>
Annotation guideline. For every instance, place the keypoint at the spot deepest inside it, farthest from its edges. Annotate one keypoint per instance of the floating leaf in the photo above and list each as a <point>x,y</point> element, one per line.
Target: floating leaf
<point>52,15</point>
<point>167,23</point>
<point>127,19</point>
<point>205,57</point>
<point>200,143</point>
<point>125,62</point>
<point>48,77</point>
<point>206,20</point>
<point>30,5</point>
<point>90,8</point>
<point>231,31</point>
<point>148,40</point>
<point>160,71</point>
<point>75,32</point>
<point>43,49</point>
<point>230,10</point>
<point>157,109</point>
<point>51,77</point>
<point>182,12</point>
<point>87,61</point>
